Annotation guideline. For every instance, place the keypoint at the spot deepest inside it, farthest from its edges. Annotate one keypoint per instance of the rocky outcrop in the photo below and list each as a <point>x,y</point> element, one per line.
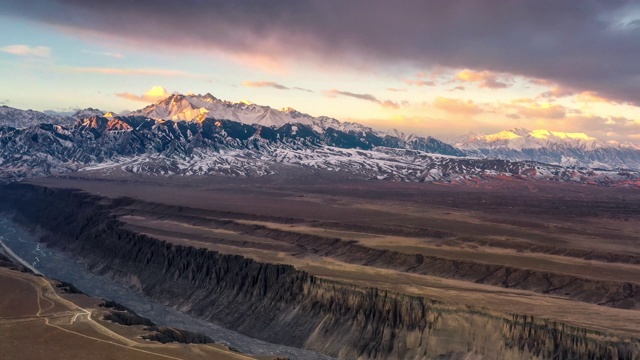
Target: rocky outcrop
<point>166,335</point>
<point>280,304</point>
<point>610,293</point>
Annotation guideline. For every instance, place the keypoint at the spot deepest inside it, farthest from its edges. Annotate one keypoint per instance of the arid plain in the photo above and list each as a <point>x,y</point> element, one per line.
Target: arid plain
<point>560,252</point>
<point>41,319</point>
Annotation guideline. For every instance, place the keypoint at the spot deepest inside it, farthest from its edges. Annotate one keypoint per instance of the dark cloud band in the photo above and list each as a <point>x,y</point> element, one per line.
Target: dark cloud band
<point>586,45</point>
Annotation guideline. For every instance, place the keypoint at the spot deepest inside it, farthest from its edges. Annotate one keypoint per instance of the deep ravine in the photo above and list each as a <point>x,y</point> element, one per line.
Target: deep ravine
<point>280,304</point>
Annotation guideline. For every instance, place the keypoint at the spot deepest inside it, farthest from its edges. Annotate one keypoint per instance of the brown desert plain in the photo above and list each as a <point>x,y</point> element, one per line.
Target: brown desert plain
<point>39,319</point>
<point>502,259</point>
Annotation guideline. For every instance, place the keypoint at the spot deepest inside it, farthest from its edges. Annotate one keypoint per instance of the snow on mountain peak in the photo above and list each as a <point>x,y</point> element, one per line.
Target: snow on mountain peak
<point>520,138</point>
<point>552,147</point>
<point>88,112</point>
<point>179,107</point>
<point>503,135</point>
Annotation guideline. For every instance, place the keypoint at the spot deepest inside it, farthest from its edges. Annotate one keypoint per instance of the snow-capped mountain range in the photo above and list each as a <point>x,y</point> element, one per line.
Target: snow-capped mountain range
<point>85,113</point>
<point>519,139</point>
<point>179,107</point>
<point>200,134</point>
<point>561,148</point>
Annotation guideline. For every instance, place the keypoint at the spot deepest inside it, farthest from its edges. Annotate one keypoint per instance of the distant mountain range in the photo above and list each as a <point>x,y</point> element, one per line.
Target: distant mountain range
<point>567,149</point>
<point>200,134</point>
<point>24,118</point>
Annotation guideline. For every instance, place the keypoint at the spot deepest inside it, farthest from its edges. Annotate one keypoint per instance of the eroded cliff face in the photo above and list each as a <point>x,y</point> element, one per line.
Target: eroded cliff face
<point>618,294</point>
<point>280,304</point>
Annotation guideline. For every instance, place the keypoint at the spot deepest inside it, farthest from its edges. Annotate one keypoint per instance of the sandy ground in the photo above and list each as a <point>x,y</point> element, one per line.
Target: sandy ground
<point>70,327</point>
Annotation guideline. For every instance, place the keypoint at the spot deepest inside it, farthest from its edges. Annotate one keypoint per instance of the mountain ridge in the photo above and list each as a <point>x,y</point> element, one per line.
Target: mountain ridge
<point>137,144</point>
<point>551,147</point>
<point>200,134</point>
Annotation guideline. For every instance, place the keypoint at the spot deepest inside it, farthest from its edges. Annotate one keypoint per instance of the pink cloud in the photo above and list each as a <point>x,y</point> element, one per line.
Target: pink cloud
<point>26,50</point>
<point>260,84</point>
<point>122,71</point>
<point>484,79</point>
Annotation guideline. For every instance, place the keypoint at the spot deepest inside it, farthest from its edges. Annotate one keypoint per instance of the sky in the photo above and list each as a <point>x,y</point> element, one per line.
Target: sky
<point>441,68</point>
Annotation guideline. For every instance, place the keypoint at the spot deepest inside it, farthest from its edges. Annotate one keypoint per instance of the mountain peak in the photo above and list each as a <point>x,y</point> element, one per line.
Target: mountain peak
<point>88,112</point>
<point>505,135</point>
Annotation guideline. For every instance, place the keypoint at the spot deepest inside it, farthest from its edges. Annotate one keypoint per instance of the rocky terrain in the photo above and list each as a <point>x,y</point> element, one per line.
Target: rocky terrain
<point>202,135</point>
<point>210,146</point>
<point>339,295</point>
<point>72,325</point>
<point>18,118</point>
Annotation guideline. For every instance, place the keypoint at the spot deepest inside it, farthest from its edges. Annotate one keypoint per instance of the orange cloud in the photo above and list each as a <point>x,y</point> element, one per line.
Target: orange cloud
<point>523,100</point>
<point>484,79</point>
<point>546,111</point>
<point>457,106</point>
<point>593,97</point>
<point>530,108</point>
<point>154,94</point>
<point>429,126</point>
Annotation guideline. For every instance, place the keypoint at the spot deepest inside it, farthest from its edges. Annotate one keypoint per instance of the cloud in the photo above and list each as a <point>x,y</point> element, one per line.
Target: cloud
<point>615,128</point>
<point>545,111</point>
<point>121,71</point>
<point>154,94</point>
<point>390,104</point>
<point>581,96</point>
<point>533,39</point>
<point>420,82</point>
<point>457,106</point>
<point>396,90</point>
<point>429,126</point>
<point>367,97</point>
<point>533,109</point>
<point>104,53</point>
<point>302,89</point>
<point>270,84</point>
<point>4,102</point>
<point>457,88</point>
<point>27,51</point>
<point>556,92</point>
<point>484,79</point>
<point>593,97</point>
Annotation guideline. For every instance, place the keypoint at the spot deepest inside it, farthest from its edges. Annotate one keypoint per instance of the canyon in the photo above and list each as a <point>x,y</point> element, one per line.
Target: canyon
<point>362,269</point>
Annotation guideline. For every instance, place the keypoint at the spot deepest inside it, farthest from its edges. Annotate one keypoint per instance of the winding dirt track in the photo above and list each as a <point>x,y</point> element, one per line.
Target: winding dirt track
<point>57,312</point>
